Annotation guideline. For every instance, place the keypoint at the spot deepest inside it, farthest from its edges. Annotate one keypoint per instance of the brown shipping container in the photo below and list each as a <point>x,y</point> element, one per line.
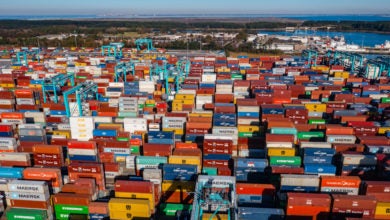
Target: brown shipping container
<point>358,206</point>
<point>134,186</point>
<point>157,149</point>
<point>30,204</point>
<point>373,187</point>
<point>71,199</point>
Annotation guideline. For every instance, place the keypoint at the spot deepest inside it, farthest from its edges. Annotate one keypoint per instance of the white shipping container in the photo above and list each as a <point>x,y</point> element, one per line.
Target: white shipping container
<point>118,150</point>
<point>29,196</point>
<point>130,162</point>
<point>8,142</point>
<point>279,144</point>
<point>358,159</point>
<point>28,186</point>
<point>152,174</point>
<point>30,126</point>
<point>248,121</point>
<point>221,131</point>
<point>102,119</point>
<point>73,151</point>
<point>209,77</point>
<point>299,180</point>
<point>341,139</point>
<point>309,144</point>
<point>15,156</point>
<point>344,190</point>
<point>116,84</point>
<point>378,96</point>
<point>24,101</point>
<point>7,102</point>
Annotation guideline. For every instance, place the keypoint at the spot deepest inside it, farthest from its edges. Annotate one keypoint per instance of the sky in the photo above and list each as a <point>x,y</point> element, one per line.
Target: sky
<point>132,7</point>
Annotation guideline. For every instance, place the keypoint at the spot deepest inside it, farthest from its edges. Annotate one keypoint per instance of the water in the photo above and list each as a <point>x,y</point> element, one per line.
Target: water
<point>359,38</point>
<point>340,17</point>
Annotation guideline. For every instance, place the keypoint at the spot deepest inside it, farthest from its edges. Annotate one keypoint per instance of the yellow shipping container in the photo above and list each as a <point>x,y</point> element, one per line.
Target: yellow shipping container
<point>203,115</point>
<point>7,85</point>
<point>128,215</point>
<point>150,101</point>
<point>192,160</point>
<point>344,75</point>
<point>321,68</point>
<point>177,108</point>
<point>35,86</point>
<point>124,208</point>
<point>110,125</point>
<point>218,216</point>
<point>184,96</point>
<point>281,152</point>
<point>185,186</point>
<point>178,131</point>
<point>382,130</point>
<point>130,195</point>
<point>383,209</point>
<point>62,133</point>
<point>315,107</point>
<point>183,101</point>
<point>248,128</point>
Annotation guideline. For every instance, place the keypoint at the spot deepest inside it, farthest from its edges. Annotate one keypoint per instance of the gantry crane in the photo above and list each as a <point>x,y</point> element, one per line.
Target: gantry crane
<point>113,50</point>
<point>21,58</point>
<point>54,85</point>
<point>311,56</point>
<point>142,41</point>
<point>83,92</point>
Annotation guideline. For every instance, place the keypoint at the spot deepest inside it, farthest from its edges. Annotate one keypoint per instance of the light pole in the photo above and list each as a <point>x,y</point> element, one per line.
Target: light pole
<point>75,38</point>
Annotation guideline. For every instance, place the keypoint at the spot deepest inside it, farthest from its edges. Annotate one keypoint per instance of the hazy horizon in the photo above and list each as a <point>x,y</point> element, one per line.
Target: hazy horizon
<point>151,7</point>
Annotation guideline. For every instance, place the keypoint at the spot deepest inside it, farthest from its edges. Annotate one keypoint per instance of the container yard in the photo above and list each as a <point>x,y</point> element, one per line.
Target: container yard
<point>130,134</point>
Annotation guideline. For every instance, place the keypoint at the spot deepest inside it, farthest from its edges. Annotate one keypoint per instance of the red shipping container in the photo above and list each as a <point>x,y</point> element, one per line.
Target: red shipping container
<point>255,189</point>
<point>71,199</point>
<point>353,206</point>
<point>134,186</point>
<point>157,150</point>
<point>375,187</point>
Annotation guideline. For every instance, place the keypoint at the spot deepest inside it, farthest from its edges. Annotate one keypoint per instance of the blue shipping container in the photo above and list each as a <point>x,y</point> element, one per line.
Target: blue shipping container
<point>319,168</point>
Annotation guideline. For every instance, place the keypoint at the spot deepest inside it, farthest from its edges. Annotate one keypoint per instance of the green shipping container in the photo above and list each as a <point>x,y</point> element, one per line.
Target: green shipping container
<point>68,209</point>
<point>147,160</point>
<point>127,114</point>
<point>211,171</point>
<point>170,209</point>
<point>122,139</point>
<point>151,105</point>
<point>284,131</point>
<point>236,76</point>
<point>141,106</point>
<point>19,213</point>
<point>310,134</point>
<point>285,161</point>
<point>385,100</point>
<point>134,150</point>
<point>248,134</point>
<point>325,100</point>
<point>317,121</point>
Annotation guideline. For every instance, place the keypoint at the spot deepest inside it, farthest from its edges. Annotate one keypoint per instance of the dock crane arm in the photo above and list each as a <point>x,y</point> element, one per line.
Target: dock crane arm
<point>83,92</point>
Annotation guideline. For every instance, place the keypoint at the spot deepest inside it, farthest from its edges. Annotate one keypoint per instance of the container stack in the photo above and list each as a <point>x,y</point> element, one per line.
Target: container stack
<point>29,195</point>
<point>137,191</point>
<point>319,161</point>
<point>71,205</point>
<point>128,107</point>
<point>82,151</point>
<point>51,175</point>
<point>7,101</point>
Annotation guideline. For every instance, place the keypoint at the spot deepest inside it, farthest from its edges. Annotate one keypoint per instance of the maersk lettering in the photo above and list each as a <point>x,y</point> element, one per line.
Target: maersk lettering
<point>25,188</point>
